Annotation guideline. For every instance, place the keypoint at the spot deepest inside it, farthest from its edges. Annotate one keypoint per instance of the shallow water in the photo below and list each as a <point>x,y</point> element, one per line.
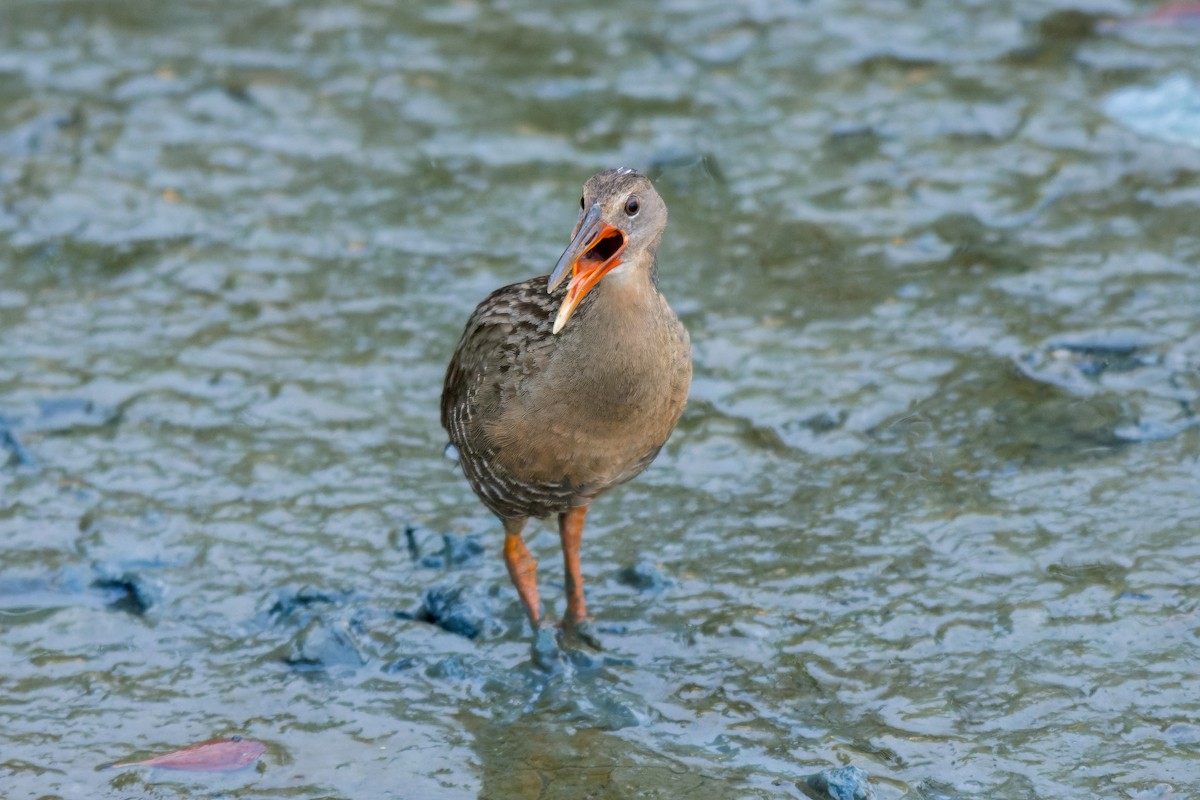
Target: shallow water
<point>932,509</point>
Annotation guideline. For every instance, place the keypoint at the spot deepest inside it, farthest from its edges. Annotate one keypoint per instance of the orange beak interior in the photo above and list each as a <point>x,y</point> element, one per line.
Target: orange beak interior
<point>597,255</point>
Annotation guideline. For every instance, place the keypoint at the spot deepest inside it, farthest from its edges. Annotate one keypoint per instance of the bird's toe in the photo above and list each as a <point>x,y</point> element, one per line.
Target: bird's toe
<point>582,631</point>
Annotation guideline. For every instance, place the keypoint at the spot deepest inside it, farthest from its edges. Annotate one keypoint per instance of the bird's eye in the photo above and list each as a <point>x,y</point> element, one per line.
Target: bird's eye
<point>580,202</point>
<point>632,206</point>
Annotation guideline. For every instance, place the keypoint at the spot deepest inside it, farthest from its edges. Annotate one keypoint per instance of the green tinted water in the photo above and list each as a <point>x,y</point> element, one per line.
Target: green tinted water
<point>904,524</point>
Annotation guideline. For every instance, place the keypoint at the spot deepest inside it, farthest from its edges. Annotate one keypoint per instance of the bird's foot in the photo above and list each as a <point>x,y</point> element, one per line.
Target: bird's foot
<point>579,630</point>
<point>543,650</point>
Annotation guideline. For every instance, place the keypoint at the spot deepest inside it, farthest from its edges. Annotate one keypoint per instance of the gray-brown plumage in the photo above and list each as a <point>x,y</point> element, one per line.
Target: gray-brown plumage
<point>559,391</point>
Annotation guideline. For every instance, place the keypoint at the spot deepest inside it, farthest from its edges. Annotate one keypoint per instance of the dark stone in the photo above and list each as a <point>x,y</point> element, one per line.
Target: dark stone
<point>1076,362</point>
<point>853,140</point>
<point>411,543</point>
<point>19,456</point>
<point>127,591</point>
<point>461,549</point>
<point>825,421</point>
<point>290,598</point>
<point>327,628</point>
<point>464,610</point>
<point>323,644</point>
<point>1140,388</point>
<point>60,414</point>
<point>457,550</point>
<point>845,783</point>
<point>644,576</point>
<point>38,133</point>
<point>452,668</point>
<point>1101,351</point>
<point>54,415</point>
<point>127,584</point>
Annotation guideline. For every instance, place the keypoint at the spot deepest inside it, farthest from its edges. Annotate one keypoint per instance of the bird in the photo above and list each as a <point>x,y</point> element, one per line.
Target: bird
<point>560,390</point>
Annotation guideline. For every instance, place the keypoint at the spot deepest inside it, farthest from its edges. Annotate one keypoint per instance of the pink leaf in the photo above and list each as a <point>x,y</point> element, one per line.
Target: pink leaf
<point>215,755</point>
<point>1175,12</point>
<point>1184,12</point>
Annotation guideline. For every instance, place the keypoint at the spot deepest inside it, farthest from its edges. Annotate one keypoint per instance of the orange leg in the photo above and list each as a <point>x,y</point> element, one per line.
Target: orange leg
<point>522,567</point>
<point>570,530</point>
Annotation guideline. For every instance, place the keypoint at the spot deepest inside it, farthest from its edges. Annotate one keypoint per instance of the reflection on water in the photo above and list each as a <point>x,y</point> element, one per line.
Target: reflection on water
<point>931,509</point>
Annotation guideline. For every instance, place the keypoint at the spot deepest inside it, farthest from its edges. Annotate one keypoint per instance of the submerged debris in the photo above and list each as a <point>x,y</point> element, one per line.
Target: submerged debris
<point>465,610</point>
<point>18,455</point>
<point>845,783</point>
<point>1157,382</point>
<point>644,575</point>
<point>54,415</point>
<point>326,628</point>
<point>450,668</point>
<point>457,549</point>
<point>299,605</point>
<point>326,633</point>
<point>129,584</point>
<point>127,592</point>
<point>1078,362</point>
<point>63,414</point>
<point>398,665</point>
<point>215,755</point>
<point>115,586</point>
<point>324,644</point>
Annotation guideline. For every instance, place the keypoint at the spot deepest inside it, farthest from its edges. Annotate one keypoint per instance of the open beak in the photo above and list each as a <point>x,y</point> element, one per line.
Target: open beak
<point>595,250</point>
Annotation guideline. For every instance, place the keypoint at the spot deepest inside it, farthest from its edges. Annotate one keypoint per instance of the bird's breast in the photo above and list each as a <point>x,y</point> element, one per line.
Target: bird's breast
<point>589,416</point>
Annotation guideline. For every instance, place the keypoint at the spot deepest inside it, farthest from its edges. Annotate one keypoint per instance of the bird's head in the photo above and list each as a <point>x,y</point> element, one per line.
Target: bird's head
<point>621,221</point>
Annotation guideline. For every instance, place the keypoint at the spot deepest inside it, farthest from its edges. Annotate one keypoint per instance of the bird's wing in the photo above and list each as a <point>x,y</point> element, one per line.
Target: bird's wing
<point>504,334</point>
